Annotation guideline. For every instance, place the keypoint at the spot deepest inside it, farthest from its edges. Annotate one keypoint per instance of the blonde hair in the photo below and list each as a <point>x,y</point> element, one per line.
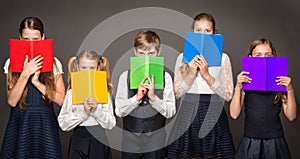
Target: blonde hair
<point>103,65</point>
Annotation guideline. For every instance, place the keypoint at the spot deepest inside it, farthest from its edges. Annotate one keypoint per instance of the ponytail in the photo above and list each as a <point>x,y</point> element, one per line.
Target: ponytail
<point>103,65</point>
<point>71,68</point>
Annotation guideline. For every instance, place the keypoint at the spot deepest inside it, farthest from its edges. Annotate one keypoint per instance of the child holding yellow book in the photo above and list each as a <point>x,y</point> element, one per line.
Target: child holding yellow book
<point>89,116</point>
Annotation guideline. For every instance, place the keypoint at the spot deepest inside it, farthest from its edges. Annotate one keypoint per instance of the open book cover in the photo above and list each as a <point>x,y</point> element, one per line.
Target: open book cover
<point>208,45</point>
<point>263,71</point>
<point>20,48</point>
<point>89,83</point>
<point>142,66</point>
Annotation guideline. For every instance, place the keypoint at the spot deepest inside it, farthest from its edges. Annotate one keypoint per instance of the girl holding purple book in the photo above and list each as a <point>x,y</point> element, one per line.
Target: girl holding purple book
<point>263,132</point>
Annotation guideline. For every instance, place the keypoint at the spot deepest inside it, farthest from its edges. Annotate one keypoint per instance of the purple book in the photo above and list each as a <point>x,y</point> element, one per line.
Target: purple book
<point>263,71</point>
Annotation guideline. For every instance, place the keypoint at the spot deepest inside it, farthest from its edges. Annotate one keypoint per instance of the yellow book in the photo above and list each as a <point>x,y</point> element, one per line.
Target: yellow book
<point>89,83</point>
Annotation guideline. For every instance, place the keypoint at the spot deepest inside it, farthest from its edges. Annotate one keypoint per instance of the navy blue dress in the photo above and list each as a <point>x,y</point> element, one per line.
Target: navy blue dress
<point>33,131</point>
<point>263,131</point>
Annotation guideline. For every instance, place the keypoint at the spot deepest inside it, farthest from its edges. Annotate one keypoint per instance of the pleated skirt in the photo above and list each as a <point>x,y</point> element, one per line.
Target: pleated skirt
<point>201,130</point>
<point>250,148</point>
<point>31,133</point>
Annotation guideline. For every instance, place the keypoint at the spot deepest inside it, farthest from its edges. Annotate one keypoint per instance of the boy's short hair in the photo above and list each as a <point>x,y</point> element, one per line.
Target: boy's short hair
<point>146,40</point>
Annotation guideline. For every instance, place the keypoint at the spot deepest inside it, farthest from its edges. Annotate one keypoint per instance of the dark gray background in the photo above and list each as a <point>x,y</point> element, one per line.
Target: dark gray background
<point>69,22</point>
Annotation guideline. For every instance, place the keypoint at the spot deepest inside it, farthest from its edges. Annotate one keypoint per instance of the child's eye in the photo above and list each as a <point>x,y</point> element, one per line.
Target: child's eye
<point>207,31</point>
<point>151,53</point>
<point>269,55</point>
<point>141,53</point>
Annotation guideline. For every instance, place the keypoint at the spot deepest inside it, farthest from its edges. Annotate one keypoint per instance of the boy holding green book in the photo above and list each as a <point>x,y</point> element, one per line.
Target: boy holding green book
<point>144,109</point>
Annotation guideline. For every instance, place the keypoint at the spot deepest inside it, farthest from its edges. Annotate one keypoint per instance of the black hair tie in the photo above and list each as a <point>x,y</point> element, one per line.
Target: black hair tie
<point>100,60</point>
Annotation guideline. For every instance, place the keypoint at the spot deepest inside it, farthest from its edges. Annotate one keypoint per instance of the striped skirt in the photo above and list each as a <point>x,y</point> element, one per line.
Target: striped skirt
<point>201,129</point>
<point>31,133</point>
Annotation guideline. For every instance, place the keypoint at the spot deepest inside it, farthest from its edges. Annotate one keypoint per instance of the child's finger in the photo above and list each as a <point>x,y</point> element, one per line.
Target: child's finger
<point>143,81</point>
<point>26,59</point>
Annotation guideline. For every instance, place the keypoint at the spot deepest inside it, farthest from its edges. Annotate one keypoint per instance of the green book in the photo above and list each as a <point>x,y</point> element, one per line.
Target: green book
<point>142,66</point>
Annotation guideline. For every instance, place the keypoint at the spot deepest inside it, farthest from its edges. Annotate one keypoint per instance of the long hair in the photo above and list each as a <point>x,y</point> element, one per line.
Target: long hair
<point>279,96</point>
<point>184,69</point>
<point>35,24</point>
<point>103,65</point>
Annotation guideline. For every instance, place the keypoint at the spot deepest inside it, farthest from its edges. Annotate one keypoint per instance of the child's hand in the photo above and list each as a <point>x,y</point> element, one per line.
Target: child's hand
<point>242,78</point>
<point>203,66</point>
<point>285,81</point>
<point>150,88</point>
<point>35,79</point>
<point>194,65</point>
<point>142,90</point>
<point>90,105</point>
<point>33,65</point>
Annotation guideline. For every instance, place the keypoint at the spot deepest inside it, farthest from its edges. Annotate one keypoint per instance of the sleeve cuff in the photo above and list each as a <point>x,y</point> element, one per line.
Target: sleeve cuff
<point>156,104</point>
<point>133,100</point>
<point>97,112</point>
<point>82,115</point>
<point>185,86</point>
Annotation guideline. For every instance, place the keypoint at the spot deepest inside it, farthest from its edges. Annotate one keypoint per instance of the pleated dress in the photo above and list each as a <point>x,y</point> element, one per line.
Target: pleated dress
<point>185,140</point>
<point>32,132</point>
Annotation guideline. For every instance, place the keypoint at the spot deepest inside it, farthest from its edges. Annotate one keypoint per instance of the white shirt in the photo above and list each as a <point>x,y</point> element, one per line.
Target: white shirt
<point>125,105</point>
<point>56,71</point>
<point>71,116</point>
<point>223,85</point>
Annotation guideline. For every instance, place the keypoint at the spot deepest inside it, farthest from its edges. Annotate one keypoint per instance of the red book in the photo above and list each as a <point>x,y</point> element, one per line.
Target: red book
<point>20,48</point>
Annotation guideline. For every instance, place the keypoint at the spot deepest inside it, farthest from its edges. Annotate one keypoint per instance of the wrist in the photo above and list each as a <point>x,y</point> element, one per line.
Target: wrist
<point>238,87</point>
<point>36,84</point>
<point>25,75</point>
<point>152,98</point>
<point>209,79</point>
<point>138,99</point>
<point>290,89</point>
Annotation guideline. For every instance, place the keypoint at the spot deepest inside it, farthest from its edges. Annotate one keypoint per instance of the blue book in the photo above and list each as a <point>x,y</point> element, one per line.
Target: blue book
<point>207,45</point>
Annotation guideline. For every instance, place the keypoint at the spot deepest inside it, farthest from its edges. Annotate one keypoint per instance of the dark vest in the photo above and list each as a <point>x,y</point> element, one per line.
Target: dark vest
<point>262,115</point>
<point>144,118</point>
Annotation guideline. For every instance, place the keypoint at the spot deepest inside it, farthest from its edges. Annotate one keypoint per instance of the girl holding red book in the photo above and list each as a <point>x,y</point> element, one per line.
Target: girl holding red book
<point>32,129</point>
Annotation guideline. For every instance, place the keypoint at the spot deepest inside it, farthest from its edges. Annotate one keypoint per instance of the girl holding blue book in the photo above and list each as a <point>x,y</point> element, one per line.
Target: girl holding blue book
<point>201,129</point>
<point>263,132</point>
<point>90,118</point>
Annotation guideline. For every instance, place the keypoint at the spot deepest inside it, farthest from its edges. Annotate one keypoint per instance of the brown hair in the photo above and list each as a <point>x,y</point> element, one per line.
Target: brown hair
<point>279,96</point>
<point>146,39</point>
<point>36,24</point>
<point>103,65</point>
<point>207,17</point>
<point>32,23</point>
<point>259,42</point>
